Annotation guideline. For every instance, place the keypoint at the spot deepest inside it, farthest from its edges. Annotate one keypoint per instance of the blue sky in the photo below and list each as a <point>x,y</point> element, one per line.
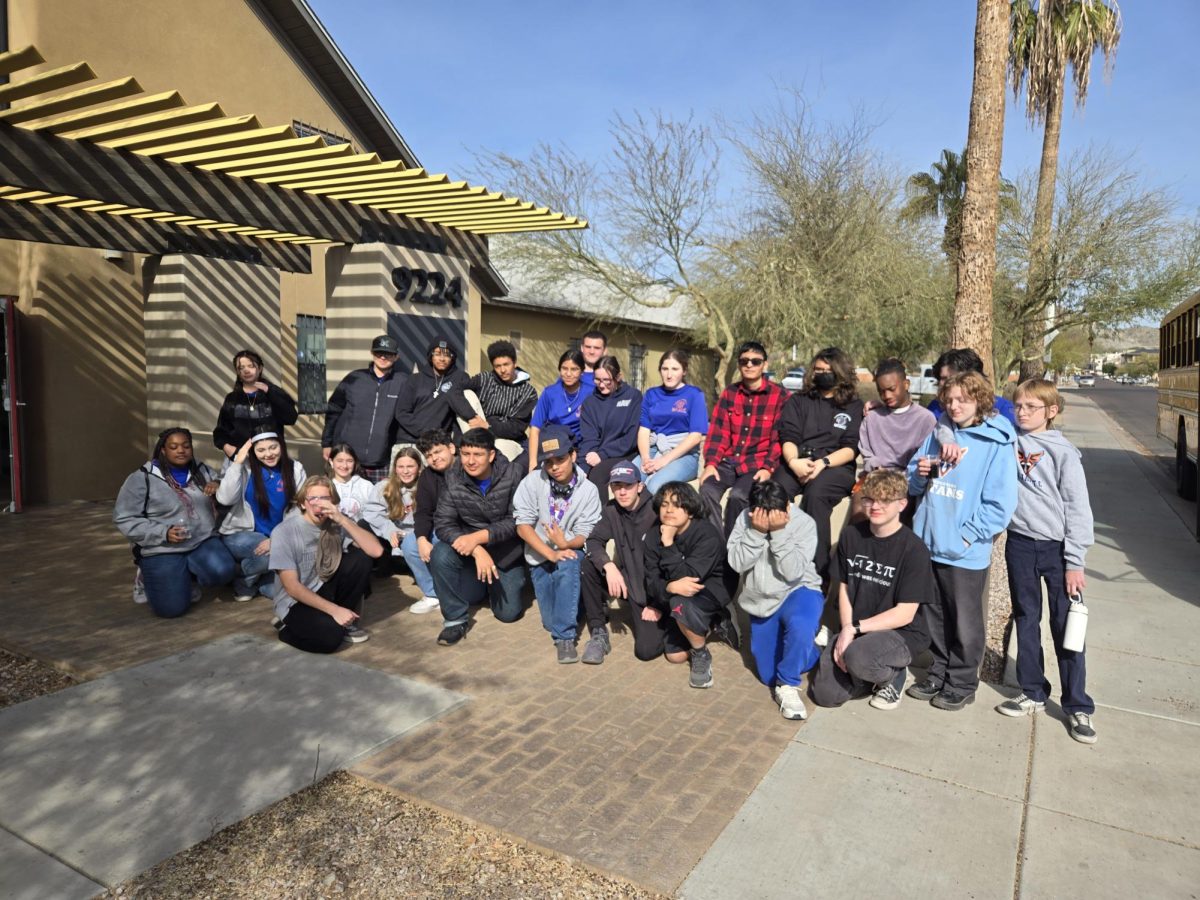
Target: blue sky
<point>458,75</point>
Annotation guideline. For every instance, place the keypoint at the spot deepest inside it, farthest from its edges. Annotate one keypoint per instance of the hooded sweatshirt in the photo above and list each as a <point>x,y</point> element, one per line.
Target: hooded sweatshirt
<point>1052,495</point>
<point>376,512</point>
<point>507,405</point>
<point>775,564</point>
<point>424,402</point>
<point>608,424</point>
<point>626,528</point>
<point>967,504</point>
<point>244,415</point>
<point>353,495</point>
<point>147,507</point>
<point>531,506</point>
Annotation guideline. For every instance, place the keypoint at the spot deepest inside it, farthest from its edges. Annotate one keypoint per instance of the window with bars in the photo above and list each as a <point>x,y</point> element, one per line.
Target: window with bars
<point>637,366</point>
<point>310,364</point>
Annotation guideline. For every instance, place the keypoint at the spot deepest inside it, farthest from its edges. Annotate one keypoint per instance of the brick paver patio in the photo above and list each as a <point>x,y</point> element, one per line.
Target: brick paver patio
<point>622,766</point>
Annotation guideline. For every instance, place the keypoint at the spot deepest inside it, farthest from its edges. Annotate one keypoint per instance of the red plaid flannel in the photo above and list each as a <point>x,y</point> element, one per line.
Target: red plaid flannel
<point>742,429</point>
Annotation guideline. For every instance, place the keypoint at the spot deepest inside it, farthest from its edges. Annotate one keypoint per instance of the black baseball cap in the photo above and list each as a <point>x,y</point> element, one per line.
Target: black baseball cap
<point>385,343</point>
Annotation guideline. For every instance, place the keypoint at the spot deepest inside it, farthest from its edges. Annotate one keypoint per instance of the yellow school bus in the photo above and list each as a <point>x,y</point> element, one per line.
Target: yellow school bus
<point>1179,389</point>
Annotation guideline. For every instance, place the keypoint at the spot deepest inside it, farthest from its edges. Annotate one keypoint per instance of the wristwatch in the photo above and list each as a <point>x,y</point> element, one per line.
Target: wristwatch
<point>857,628</point>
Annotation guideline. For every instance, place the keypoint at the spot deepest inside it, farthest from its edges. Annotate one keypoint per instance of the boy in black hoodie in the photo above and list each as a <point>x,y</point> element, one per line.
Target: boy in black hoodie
<point>424,402</point>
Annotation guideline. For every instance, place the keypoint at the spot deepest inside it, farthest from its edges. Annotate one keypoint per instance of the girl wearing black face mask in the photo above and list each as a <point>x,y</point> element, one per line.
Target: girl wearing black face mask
<point>818,432</point>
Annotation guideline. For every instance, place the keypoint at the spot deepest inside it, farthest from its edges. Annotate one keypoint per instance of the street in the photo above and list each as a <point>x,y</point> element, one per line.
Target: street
<point>1134,406</point>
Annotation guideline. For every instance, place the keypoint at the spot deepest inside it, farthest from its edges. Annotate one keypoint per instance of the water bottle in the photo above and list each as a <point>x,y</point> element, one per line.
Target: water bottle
<point>1076,630</point>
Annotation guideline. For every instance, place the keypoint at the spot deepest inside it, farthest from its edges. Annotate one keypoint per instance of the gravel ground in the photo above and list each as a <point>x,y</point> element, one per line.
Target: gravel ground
<point>999,610</point>
<point>23,679</point>
<point>345,837</point>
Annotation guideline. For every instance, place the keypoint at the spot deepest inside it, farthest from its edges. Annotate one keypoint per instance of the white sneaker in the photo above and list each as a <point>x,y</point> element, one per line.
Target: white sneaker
<point>791,702</point>
<point>242,598</point>
<point>822,638</point>
<point>424,605</point>
<point>139,587</point>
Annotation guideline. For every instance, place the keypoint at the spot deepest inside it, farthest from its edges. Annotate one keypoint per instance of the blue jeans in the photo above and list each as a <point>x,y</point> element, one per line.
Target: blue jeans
<point>686,468</point>
<point>458,587</point>
<point>419,568</point>
<point>557,587</point>
<point>782,643</point>
<point>252,572</point>
<point>168,576</point>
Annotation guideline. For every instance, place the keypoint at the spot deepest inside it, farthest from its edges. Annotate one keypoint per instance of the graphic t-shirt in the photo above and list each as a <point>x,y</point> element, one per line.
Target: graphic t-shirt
<point>881,572</point>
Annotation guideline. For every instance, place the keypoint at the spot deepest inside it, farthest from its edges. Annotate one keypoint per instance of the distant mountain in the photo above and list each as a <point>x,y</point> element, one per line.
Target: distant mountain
<point>1126,338</point>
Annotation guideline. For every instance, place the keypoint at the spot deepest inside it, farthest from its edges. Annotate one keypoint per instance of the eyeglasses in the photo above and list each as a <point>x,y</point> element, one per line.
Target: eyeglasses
<point>747,361</point>
<point>604,382</point>
<point>873,501</point>
<point>1028,407</point>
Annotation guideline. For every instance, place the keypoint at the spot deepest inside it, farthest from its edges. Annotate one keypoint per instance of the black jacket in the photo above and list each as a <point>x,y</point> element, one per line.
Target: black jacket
<point>362,413</point>
<point>627,529</point>
<point>609,425</point>
<point>508,406</point>
<point>815,422</point>
<point>462,508</point>
<point>424,402</point>
<point>430,485</point>
<point>239,419</point>
<point>699,552</point>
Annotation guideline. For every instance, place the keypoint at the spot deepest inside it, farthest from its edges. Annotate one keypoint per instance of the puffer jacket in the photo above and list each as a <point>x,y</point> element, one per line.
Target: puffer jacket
<point>147,506</point>
<point>462,509</point>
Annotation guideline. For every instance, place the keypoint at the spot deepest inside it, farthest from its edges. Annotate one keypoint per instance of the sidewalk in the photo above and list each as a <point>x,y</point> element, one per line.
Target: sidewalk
<point>922,802</point>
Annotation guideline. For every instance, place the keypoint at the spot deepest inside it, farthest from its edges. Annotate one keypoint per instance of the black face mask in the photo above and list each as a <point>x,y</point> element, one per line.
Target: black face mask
<point>824,381</point>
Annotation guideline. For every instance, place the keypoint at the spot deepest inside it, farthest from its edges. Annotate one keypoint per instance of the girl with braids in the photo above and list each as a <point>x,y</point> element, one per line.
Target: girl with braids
<point>166,511</point>
<point>258,485</point>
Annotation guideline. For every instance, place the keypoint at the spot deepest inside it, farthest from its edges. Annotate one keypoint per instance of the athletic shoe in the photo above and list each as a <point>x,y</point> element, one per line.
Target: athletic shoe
<point>726,631</point>
<point>197,593</point>
<point>791,702</point>
<point>452,634</point>
<point>424,605</point>
<point>822,638</point>
<point>566,652</point>
<point>277,623</point>
<point>1020,705</point>
<point>1081,728</point>
<point>242,598</point>
<point>356,635</point>
<point>139,587</point>
<point>925,690</point>
<point>887,695</point>
<point>701,665</point>
<point>598,647</point>
<point>952,700</point>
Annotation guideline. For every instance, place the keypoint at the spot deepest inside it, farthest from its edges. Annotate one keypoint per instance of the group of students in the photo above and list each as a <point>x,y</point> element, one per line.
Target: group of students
<point>490,484</point>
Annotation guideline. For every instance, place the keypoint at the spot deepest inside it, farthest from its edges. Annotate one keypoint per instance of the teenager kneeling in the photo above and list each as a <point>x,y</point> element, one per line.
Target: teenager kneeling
<point>883,575</point>
<point>774,546</point>
<point>555,509</point>
<point>321,585</point>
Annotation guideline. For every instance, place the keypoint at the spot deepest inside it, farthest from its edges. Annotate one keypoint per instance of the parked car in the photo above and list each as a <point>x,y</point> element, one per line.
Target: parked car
<point>1087,380</point>
<point>793,380</point>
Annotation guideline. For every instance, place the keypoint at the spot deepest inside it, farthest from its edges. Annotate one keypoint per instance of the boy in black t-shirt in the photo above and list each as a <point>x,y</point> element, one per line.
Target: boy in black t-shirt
<point>884,574</point>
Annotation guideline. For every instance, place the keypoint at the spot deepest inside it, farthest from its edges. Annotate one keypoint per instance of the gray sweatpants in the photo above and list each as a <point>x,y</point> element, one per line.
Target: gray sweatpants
<point>873,658</point>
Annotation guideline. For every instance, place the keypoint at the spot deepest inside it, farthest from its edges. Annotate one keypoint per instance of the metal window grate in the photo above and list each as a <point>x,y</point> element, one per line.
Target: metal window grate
<point>310,363</point>
<point>637,366</point>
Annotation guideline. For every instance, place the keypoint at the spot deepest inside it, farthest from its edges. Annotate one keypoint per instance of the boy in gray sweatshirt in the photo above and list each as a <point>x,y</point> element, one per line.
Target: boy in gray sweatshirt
<point>1047,539</point>
<point>773,544</point>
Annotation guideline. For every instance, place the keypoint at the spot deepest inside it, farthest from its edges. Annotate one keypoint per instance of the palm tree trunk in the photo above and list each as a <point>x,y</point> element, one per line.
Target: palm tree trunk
<point>981,201</point>
<point>1037,287</point>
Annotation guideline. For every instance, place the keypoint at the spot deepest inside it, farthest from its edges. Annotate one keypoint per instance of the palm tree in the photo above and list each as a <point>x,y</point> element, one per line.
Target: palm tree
<point>1043,43</point>
<point>980,214</point>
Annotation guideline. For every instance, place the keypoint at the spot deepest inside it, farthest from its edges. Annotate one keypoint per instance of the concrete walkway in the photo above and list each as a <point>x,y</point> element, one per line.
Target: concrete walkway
<point>923,802</point>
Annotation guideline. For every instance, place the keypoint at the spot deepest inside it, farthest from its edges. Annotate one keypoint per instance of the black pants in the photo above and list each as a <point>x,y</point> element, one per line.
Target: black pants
<point>956,626</point>
<point>711,492</point>
<point>598,474</point>
<point>310,629</point>
<point>650,639</point>
<point>821,495</point>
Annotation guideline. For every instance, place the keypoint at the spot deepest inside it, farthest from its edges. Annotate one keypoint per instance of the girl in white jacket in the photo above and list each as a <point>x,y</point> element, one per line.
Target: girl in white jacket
<point>257,486</point>
<point>353,490</point>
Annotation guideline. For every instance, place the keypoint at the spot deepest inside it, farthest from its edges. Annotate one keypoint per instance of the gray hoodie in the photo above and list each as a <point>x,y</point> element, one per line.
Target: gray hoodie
<point>774,564</point>
<point>147,506</point>
<point>1052,494</point>
<point>531,506</point>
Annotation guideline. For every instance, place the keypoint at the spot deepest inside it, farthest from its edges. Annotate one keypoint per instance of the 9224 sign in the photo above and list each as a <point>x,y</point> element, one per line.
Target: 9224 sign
<point>432,288</point>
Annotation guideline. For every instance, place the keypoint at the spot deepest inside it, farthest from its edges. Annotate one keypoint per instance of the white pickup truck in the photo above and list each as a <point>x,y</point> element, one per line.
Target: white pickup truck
<point>924,382</point>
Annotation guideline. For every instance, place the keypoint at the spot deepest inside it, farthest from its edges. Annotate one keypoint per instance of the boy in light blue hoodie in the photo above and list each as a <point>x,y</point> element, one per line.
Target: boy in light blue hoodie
<point>965,504</point>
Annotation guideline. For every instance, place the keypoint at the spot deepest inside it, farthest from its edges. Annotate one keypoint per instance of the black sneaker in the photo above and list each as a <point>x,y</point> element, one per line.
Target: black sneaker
<point>725,630</point>
<point>1081,728</point>
<point>566,652</point>
<point>701,663</point>
<point>452,634</point>
<point>952,699</point>
<point>925,690</point>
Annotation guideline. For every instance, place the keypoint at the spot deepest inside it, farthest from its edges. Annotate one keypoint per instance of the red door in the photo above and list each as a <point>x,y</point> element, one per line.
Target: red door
<point>13,406</point>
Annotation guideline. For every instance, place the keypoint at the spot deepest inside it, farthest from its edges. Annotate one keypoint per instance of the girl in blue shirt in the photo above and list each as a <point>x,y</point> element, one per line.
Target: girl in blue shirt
<point>673,425</point>
<point>560,402</point>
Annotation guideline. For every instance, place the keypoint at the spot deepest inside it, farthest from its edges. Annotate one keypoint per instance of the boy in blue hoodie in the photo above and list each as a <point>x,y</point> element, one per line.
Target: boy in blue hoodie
<point>1049,535</point>
<point>964,506</point>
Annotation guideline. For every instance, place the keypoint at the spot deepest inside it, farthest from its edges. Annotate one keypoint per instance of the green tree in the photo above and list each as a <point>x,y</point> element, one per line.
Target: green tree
<point>1070,350</point>
<point>1045,42</point>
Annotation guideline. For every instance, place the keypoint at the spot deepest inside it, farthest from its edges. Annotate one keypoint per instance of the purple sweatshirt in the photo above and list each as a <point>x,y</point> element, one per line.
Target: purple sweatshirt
<point>888,438</point>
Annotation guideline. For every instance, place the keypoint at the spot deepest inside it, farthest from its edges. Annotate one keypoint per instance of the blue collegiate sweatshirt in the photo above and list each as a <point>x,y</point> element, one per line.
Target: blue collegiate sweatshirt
<point>609,424</point>
<point>968,504</point>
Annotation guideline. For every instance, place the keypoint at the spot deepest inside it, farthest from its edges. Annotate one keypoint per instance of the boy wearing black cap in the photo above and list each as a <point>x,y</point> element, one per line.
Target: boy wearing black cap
<point>424,404</point>
<point>361,410</point>
<point>555,509</point>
